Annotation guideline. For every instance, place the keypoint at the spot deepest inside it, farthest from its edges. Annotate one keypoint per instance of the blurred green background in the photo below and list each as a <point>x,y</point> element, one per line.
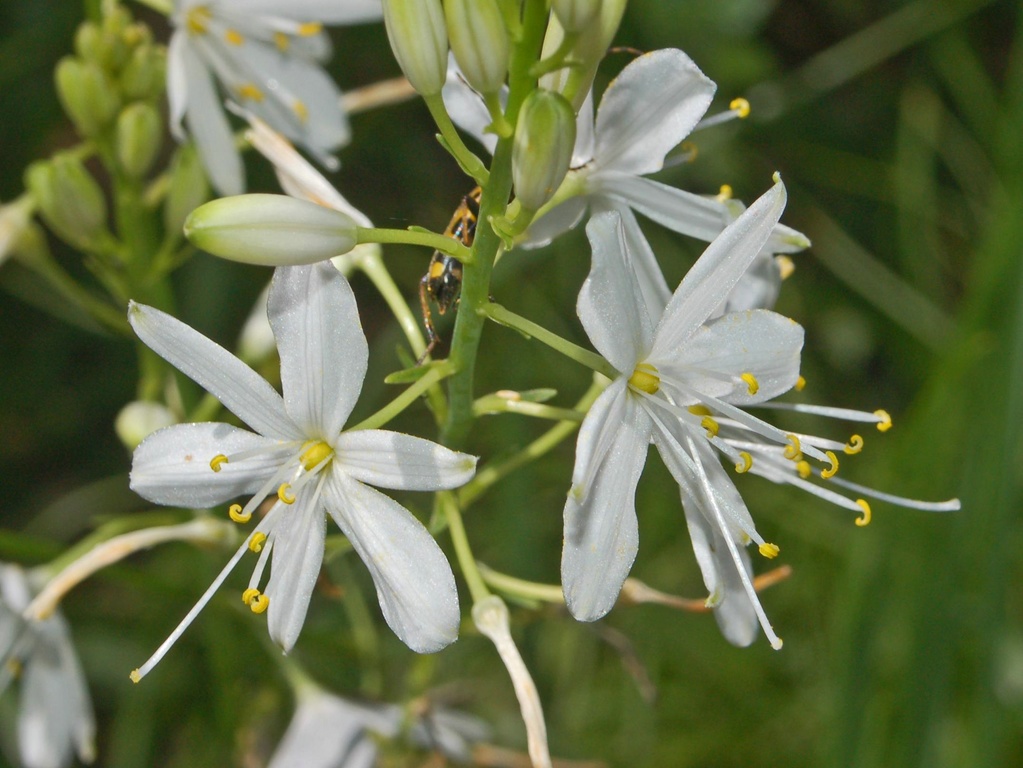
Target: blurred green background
<point>898,128</point>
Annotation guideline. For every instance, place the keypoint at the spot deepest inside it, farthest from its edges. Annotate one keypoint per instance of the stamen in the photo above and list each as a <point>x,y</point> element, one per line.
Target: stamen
<point>803,468</point>
<point>645,379</point>
<point>855,445</point>
<point>310,28</point>
<point>747,462</point>
<point>260,604</point>
<point>741,107</point>
<point>886,420</point>
<point>313,453</point>
<point>751,382</point>
<point>256,542</point>
<point>830,471</point>
<point>284,493</point>
<point>725,193</point>
<point>249,595</point>
<point>800,384</point>
<point>234,37</point>
<point>711,426</point>
<point>197,20</point>
<point>249,92</point>
<point>770,551</point>
<point>235,513</point>
<point>863,519</point>
<point>282,41</point>
<point>793,450</point>
<point>301,110</point>
<point>217,461</point>
<point>699,410</point>
<point>786,267</point>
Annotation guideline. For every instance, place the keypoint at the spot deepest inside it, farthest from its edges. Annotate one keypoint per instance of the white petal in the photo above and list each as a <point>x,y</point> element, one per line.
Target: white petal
<point>172,466</point>
<point>44,722</point>
<point>294,567</point>
<point>758,288</point>
<point>584,133</point>
<point>652,284</point>
<point>648,109</point>
<point>326,11</point>
<point>714,274</point>
<point>556,221</point>
<point>611,305</point>
<point>323,349</point>
<point>466,107</point>
<point>758,342</point>
<point>415,586</point>
<point>243,391</point>
<point>394,460</point>
<point>601,531</point>
<point>177,82</point>
<point>210,130</point>
<point>320,735</point>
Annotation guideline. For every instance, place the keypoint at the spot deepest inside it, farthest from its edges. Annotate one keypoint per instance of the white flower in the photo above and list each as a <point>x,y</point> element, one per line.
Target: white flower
<point>55,720</point>
<point>298,454</point>
<point>678,373</point>
<point>266,55</point>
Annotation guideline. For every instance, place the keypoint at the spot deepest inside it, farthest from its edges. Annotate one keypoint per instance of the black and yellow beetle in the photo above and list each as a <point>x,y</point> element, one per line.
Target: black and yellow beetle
<point>443,279</point>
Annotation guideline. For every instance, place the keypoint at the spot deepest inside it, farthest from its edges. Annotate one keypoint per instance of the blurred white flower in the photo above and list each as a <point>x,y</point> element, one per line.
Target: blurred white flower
<point>299,456</point>
<point>55,718</point>
<point>266,55</point>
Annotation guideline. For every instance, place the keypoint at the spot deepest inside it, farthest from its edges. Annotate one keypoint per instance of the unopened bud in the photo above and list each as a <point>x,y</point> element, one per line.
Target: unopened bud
<point>574,82</point>
<point>114,45</point>
<point>271,230</point>
<point>544,139</point>
<point>139,419</point>
<point>419,40</point>
<point>139,133</point>
<point>69,199</point>
<point>576,15</point>
<point>144,75</point>
<point>89,96</point>
<point>87,41</point>
<point>188,188</point>
<point>15,219</point>
<point>479,41</point>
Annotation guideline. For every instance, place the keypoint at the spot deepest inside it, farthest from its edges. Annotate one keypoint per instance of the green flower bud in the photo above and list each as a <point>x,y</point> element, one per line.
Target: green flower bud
<point>89,96</point>
<point>544,140</point>
<point>15,220</point>
<point>138,138</point>
<point>144,75</point>
<point>574,82</point>
<point>419,40</point>
<point>69,200</point>
<point>188,188</point>
<point>576,15</point>
<point>139,419</point>
<point>87,41</point>
<point>114,46</point>
<point>479,41</point>
<point>270,230</point>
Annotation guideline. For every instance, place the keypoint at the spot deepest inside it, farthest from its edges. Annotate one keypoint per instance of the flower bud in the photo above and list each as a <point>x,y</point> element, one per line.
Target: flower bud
<point>271,230</point>
<point>69,199</point>
<point>89,97</point>
<point>544,139</point>
<point>15,219</point>
<point>114,44</point>
<point>576,15</point>
<point>188,188</point>
<point>139,133</point>
<point>574,82</point>
<point>479,41</point>
<point>419,40</point>
<point>139,419</point>
<point>87,41</point>
<point>144,75</point>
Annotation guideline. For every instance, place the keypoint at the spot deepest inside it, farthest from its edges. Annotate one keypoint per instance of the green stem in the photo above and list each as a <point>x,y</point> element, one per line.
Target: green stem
<point>491,404</point>
<point>468,161</point>
<point>440,370</point>
<point>438,242</point>
<point>470,570</point>
<point>166,7</point>
<point>557,59</point>
<point>108,316</point>
<point>531,590</point>
<point>591,360</point>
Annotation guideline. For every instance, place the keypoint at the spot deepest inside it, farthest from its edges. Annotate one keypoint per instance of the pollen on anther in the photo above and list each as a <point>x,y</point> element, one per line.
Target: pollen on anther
<point>699,410</point>
<point>234,37</point>
<point>284,493</point>
<point>645,379</point>
<point>310,28</point>
<point>855,445</point>
<point>725,193</point>
<point>135,676</point>
<point>740,106</point>
<point>751,383</point>
<point>793,450</point>
<point>830,471</point>
<point>745,464</point>
<point>885,422</point>
<point>803,468</point>
<point>259,604</point>
<point>786,266</point>
<point>800,384</point>
<point>863,519</point>
<point>249,595</point>
<point>768,550</point>
<point>217,462</point>
<point>235,513</point>
<point>250,92</point>
<point>711,426</point>
<point>301,110</point>
<point>282,41</point>
<point>256,542</point>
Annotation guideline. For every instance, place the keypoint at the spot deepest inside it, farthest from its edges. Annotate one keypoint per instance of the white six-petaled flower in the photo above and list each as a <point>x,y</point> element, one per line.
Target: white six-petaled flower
<point>298,456</point>
<point>267,56</point>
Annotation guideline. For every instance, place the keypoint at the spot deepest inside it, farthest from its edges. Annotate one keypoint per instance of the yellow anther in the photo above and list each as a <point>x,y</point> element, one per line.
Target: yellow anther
<point>314,453</point>
<point>300,110</point>
<point>751,382</point>
<point>256,542</point>
<point>830,471</point>
<point>249,595</point>
<point>740,107</point>
<point>260,604</point>
<point>725,193</point>
<point>863,519</point>
<point>690,148</point>
<point>234,37</point>
<point>310,28</point>
<point>786,266</point>
<point>217,462</point>
<point>282,41</point>
<point>699,410</point>
<point>645,379</point>
<point>235,513</point>
<point>249,92</point>
<point>770,551</point>
<point>135,676</point>
<point>745,464</point>
<point>711,426</point>
<point>800,384</point>
<point>855,445</point>
<point>198,19</point>
<point>284,493</point>
<point>793,450</point>
<point>886,420</point>
<point>803,468</point>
